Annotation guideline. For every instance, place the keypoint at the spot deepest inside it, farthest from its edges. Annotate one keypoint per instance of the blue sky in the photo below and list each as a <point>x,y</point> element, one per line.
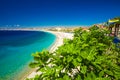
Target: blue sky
<point>57,12</point>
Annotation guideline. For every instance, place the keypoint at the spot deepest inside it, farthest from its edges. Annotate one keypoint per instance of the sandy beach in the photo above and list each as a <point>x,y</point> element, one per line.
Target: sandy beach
<point>58,42</point>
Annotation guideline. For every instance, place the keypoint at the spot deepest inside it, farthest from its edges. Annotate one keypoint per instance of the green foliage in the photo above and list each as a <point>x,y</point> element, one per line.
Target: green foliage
<point>91,55</point>
<point>40,59</point>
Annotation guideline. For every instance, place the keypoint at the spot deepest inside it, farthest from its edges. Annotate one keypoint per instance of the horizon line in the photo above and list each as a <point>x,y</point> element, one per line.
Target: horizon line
<point>10,26</point>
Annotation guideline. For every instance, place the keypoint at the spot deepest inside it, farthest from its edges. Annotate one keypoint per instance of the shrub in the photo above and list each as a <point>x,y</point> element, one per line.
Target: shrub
<point>91,55</point>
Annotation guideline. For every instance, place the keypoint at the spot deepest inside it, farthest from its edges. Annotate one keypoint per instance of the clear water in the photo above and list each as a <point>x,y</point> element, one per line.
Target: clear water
<point>16,48</point>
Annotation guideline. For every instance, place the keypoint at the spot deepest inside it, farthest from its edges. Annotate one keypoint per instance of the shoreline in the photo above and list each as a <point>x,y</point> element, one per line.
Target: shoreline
<point>58,42</point>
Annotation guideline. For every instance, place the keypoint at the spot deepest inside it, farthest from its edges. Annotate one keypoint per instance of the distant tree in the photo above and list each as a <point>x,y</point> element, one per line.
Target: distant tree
<point>117,17</point>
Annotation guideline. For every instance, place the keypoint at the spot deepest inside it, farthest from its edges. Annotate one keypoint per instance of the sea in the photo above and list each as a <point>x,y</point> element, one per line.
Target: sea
<point>16,49</point>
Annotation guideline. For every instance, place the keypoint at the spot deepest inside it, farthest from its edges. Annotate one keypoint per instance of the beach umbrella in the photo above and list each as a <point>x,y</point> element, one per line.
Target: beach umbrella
<point>115,24</point>
<point>113,20</point>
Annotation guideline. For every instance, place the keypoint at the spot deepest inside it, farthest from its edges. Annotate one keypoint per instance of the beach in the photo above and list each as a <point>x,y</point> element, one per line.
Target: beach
<point>58,42</point>
<point>19,45</point>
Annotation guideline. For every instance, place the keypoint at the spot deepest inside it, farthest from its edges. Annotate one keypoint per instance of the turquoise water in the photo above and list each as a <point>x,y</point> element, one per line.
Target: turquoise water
<point>16,48</point>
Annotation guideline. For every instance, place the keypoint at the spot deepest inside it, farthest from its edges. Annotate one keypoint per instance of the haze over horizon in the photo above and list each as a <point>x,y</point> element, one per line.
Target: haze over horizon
<point>57,12</point>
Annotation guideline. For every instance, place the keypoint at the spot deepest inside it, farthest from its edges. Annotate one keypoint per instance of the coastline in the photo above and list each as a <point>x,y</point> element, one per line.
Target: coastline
<point>58,42</point>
